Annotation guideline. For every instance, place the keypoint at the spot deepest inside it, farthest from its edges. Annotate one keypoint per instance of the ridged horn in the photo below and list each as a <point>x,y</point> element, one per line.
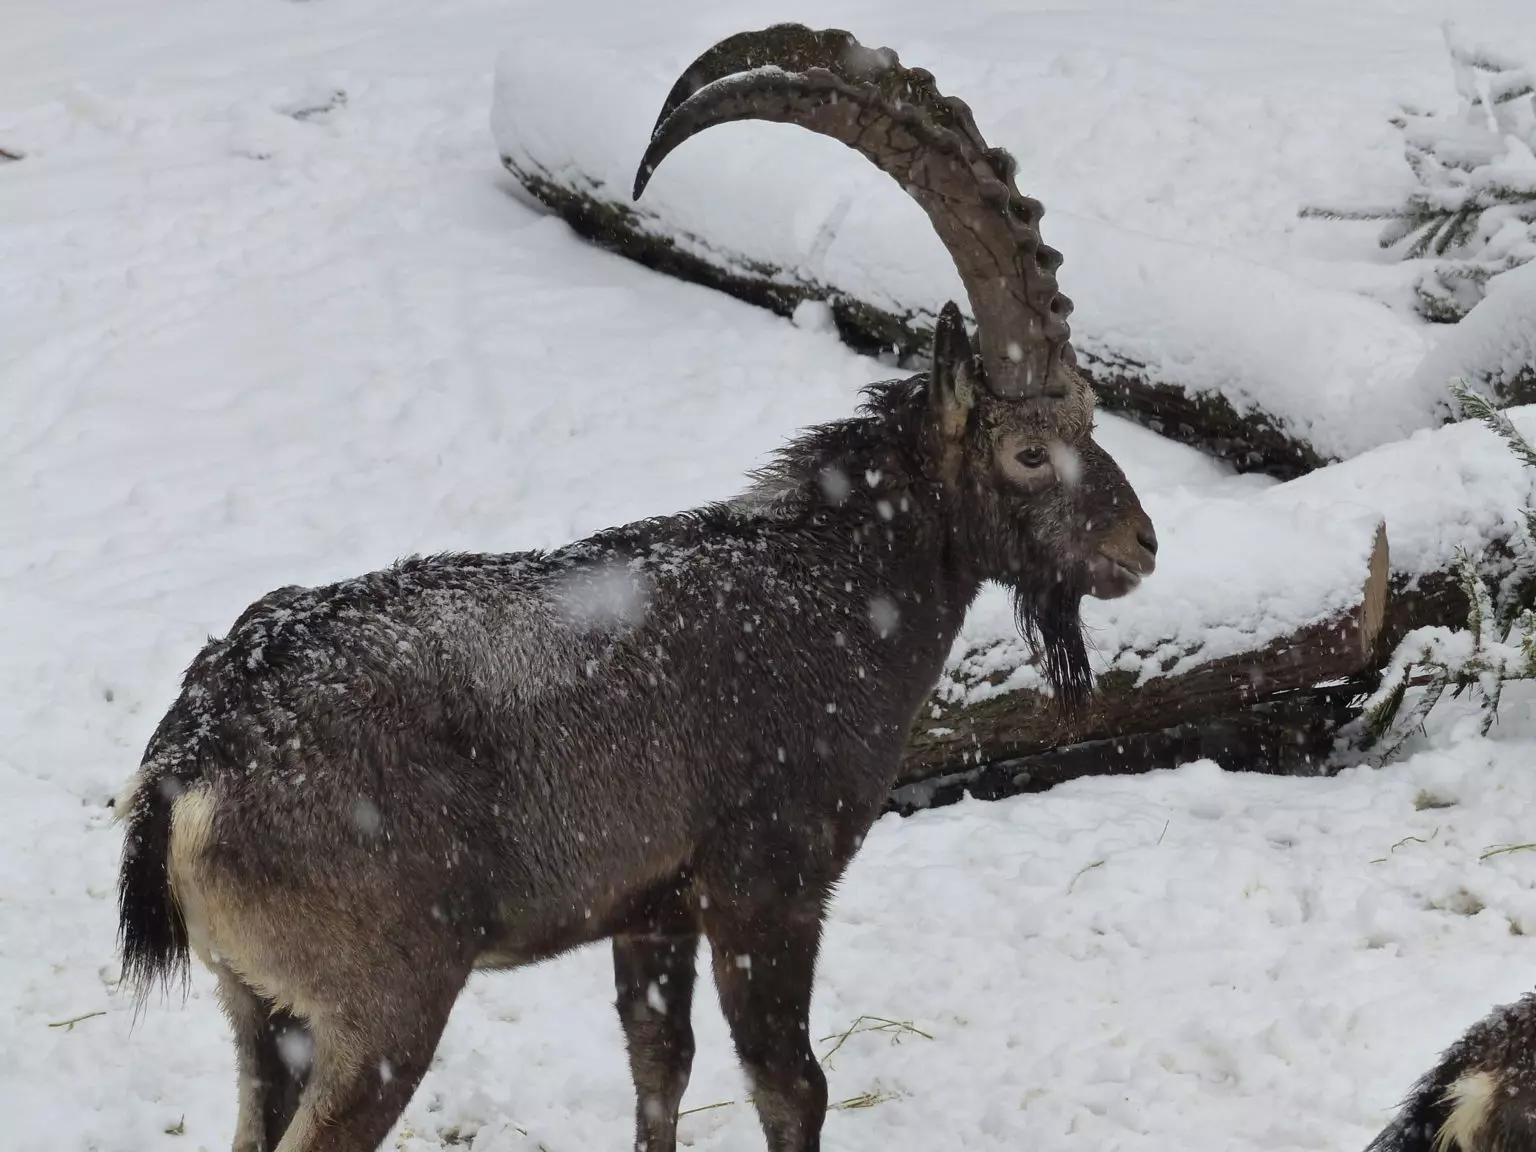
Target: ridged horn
<point>828,82</point>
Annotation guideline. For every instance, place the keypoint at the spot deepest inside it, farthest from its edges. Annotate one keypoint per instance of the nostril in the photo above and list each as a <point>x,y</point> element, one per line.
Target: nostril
<point>1147,538</point>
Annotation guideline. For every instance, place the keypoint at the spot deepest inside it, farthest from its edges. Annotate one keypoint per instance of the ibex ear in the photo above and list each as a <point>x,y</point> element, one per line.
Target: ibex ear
<point>954,379</point>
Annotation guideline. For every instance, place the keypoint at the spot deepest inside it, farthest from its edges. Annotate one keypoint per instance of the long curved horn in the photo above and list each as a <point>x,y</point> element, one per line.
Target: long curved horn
<point>828,82</point>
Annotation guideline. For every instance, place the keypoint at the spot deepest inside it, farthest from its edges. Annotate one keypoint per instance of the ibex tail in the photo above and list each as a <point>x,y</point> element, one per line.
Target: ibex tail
<point>152,933</point>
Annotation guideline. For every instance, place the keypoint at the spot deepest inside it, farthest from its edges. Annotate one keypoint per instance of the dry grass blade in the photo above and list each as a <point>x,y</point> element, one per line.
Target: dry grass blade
<point>705,1108</point>
<point>69,1025</point>
<point>1501,849</point>
<point>1085,868</point>
<point>896,1029</point>
<point>865,1100</point>
<point>1407,840</point>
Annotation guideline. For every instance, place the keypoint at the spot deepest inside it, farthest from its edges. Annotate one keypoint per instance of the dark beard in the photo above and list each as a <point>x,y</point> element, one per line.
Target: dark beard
<point>1049,620</point>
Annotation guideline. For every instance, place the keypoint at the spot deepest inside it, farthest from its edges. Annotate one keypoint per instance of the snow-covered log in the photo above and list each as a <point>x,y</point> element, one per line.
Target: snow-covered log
<point>1252,440</point>
<point>1266,615</point>
<point>1149,689</point>
<point>1246,360</point>
<point>1291,732</point>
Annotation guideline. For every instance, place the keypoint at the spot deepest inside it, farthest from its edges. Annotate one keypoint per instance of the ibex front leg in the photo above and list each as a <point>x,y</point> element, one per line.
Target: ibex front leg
<point>653,966</point>
<point>765,963</point>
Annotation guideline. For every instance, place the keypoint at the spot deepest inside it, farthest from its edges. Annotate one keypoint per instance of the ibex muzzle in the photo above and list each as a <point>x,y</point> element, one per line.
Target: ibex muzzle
<point>683,727</point>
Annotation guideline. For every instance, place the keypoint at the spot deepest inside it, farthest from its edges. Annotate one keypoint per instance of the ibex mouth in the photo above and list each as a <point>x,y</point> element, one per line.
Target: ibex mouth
<point>1110,578</point>
<point>1128,556</point>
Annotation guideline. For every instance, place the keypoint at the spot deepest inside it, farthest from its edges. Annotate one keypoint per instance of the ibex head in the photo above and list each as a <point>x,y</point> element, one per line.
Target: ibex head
<point>1008,424</point>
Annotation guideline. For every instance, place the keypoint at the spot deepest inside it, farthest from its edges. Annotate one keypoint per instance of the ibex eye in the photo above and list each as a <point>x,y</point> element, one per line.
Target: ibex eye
<point>1035,456</point>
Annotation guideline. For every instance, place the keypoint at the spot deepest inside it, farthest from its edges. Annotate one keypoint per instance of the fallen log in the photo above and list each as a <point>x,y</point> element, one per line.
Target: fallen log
<point>1251,441</point>
<point>1290,733</point>
<point>1238,357</point>
<point>1258,709</point>
<point>963,729</point>
<point>1293,734</point>
<point>1277,706</point>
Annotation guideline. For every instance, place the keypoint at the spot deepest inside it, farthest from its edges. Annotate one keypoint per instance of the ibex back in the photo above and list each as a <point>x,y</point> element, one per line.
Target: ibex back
<point>684,726</point>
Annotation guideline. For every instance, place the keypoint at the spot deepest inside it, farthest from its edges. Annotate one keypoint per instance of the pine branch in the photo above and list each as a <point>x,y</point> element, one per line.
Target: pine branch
<point>1508,194</point>
<point>1450,157</point>
<point>1475,406</point>
<point>1437,307</point>
<point>1323,212</point>
<point>1406,225</point>
<point>1426,238</point>
<point>1479,607</point>
<point>1497,645</point>
<point>1458,229</point>
<point>1482,59</point>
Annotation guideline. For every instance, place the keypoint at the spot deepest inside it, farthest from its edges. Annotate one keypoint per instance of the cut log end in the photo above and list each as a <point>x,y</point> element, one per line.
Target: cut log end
<point>1373,605</point>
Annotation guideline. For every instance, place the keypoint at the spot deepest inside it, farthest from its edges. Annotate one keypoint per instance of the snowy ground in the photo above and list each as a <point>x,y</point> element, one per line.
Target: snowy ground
<point>255,335</point>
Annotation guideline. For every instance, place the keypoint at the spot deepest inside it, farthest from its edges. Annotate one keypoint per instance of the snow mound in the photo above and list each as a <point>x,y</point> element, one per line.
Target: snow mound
<point>1440,491</point>
<point>1494,348</point>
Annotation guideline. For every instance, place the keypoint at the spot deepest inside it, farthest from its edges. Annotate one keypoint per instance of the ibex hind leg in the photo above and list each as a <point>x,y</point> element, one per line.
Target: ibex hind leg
<point>371,1050</point>
<point>653,967</point>
<point>272,1054</point>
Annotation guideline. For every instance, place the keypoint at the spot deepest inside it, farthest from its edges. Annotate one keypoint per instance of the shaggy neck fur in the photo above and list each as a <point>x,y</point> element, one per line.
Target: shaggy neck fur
<point>871,469</point>
<point>849,465</point>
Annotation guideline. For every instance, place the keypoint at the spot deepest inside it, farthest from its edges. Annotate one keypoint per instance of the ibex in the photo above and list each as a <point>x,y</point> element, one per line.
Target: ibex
<point>1481,1097</point>
<point>682,726</point>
